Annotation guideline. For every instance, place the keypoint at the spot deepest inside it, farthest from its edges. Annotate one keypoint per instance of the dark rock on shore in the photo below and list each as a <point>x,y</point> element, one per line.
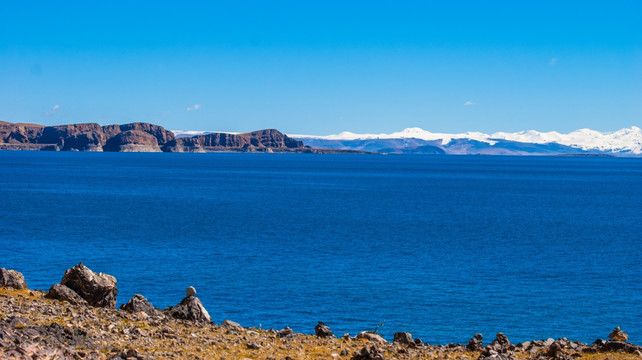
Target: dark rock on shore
<point>97,289</point>
<point>475,344</point>
<point>501,344</point>
<point>12,279</point>
<point>607,346</point>
<point>138,303</point>
<point>403,338</point>
<point>491,354</point>
<point>322,330</point>
<point>190,308</point>
<point>371,353</point>
<point>64,293</point>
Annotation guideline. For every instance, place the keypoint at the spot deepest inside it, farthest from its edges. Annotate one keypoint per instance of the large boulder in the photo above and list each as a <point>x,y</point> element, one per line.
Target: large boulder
<point>138,303</point>
<point>98,290</point>
<point>12,279</point>
<point>190,308</point>
<point>63,293</point>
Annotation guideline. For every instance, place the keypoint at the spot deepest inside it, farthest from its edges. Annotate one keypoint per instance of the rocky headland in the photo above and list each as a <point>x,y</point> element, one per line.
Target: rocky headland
<point>78,319</point>
<point>143,137</point>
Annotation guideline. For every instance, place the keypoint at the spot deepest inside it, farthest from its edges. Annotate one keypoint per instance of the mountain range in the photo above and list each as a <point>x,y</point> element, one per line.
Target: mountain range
<point>624,142</point>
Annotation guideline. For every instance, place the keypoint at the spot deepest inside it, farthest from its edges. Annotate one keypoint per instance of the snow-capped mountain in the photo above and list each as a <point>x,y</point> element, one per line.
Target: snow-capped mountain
<point>626,141</point>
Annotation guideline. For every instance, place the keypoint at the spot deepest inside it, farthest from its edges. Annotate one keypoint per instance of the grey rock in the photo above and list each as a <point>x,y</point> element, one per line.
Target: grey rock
<point>12,279</point>
<point>63,293</point>
<point>490,353</point>
<point>475,344</point>
<point>608,346</point>
<point>322,330</point>
<point>501,343</point>
<point>252,345</point>
<point>190,308</point>
<point>231,325</point>
<point>285,332</point>
<point>191,291</point>
<point>372,353</point>
<point>138,303</point>
<point>97,289</point>
<point>404,338</point>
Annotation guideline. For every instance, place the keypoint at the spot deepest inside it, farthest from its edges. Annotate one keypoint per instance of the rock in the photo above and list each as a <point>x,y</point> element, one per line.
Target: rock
<point>252,345</point>
<point>12,279</point>
<point>285,332</point>
<point>404,338</point>
<point>231,325</point>
<point>267,140</point>
<point>609,346</point>
<point>63,293</point>
<point>475,344</point>
<point>98,290</point>
<point>501,343</point>
<point>372,353</point>
<point>191,291</point>
<point>371,337</point>
<point>138,303</point>
<point>490,353</point>
<point>190,308</point>
<point>555,351</point>
<point>619,335</point>
<point>322,330</point>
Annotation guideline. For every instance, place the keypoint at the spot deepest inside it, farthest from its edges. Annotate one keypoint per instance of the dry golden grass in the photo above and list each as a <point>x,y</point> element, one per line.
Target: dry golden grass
<point>110,330</point>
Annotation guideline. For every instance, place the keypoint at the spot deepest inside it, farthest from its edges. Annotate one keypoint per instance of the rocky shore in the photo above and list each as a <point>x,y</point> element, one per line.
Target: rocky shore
<point>78,319</point>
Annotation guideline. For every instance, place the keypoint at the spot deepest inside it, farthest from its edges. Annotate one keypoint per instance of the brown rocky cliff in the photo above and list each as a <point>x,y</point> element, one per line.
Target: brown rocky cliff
<point>85,137</point>
<point>140,137</point>
<point>262,140</point>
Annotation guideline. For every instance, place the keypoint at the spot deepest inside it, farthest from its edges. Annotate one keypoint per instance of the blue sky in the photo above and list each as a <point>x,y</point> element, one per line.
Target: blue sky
<point>322,67</point>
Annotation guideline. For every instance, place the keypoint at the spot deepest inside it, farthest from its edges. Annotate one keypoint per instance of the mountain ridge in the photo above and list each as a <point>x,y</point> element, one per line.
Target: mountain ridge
<point>627,141</point>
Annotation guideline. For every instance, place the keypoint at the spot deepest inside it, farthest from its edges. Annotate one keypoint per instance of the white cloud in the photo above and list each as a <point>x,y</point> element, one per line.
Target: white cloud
<point>553,62</point>
<point>195,107</point>
<point>53,110</point>
<point>469,103</point>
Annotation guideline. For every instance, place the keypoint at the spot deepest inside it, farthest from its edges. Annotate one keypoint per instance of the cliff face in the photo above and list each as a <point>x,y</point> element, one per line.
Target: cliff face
<point>84,137</point>
<point>268,140</point>
<point>139,137</point>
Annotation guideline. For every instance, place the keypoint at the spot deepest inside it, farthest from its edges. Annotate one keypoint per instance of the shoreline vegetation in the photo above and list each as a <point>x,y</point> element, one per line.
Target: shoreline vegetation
<point>78,319</point>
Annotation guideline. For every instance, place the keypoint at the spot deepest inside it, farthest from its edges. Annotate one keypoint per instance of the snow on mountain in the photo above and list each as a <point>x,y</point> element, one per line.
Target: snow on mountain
<point>627,140</point>
<point>190,133</point>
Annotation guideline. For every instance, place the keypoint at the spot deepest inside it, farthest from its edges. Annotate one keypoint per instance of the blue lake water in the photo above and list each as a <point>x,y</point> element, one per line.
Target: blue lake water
<point>440,246</point>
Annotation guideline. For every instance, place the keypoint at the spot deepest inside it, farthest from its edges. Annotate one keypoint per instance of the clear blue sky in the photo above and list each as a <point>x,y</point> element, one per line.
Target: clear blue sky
<point>321,67</point>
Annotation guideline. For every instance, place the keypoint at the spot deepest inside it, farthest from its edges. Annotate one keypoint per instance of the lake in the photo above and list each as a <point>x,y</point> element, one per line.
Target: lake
<point>440,246</point>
